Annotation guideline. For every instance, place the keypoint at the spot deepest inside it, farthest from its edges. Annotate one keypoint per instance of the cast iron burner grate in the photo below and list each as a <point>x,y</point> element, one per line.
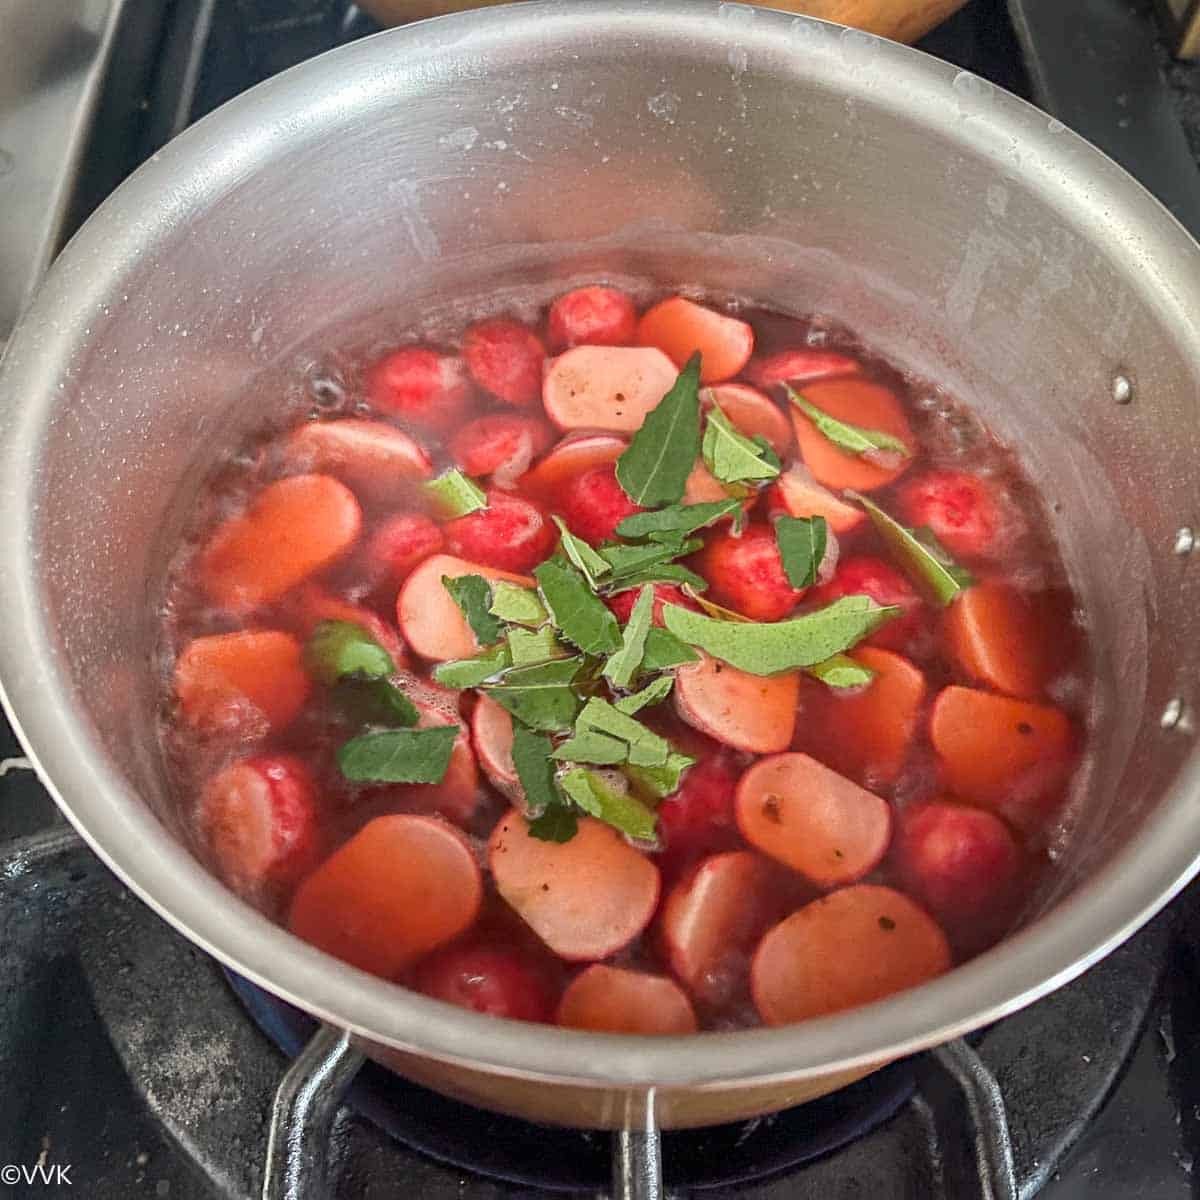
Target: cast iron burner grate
<point>576,1160</point>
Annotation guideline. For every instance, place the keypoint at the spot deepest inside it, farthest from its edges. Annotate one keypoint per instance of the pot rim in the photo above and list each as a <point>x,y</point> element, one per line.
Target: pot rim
<point>36,687</point>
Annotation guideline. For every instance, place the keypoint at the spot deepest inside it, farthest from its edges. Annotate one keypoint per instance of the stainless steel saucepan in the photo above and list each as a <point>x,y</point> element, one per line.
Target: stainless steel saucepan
<point>777,158</point>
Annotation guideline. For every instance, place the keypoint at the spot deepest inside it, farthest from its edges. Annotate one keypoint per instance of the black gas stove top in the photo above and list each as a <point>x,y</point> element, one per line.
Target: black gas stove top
<point>132,1060</point>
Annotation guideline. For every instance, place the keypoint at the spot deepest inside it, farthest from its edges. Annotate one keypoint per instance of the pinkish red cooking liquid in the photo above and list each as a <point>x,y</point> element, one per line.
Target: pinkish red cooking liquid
<point>829,837</point>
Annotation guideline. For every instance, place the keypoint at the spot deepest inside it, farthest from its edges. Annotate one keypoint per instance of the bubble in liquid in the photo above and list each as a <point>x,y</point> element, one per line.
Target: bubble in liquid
<point>326,391</point>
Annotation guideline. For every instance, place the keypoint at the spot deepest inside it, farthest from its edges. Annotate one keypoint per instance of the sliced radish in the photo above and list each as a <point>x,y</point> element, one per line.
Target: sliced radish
<point>292,529</point>
<point>966,513</point>
<point>398,545</point>
<point>752,413</point>
<point>697,819</point>
<point>702,486</point>
<point>422,386</point>
<point>572,456</point>
<point>487,979</point>
<point>456,797</point>
<point>812,819</point>
<point>1007,754</point>
<point>999,637</point>
<point>510,534</point>
<point>593,504</point>
<point>800,495</point>
<point>867,405</point>
<point>591,316</point>
<point>492,732</point>
<point>505,358</point>
<point>431,621</point>
<point>614,1000</point>
<point>259,817</point>
<point>800,366</point>
<point>399,888</point>
<point>866,575</point>
<point>607,388</point>
<point>846,949</point>
<point>680,327</point>
<point>501,443</point>
<point>714,917</point>
<point>245,684</point>
<point>377,460</point>
<point>866,733</point>
<point>664,593</point>
<point>585,898</point>
<point>745,573</point>
<point>749,712</point>
<point>962,863</point>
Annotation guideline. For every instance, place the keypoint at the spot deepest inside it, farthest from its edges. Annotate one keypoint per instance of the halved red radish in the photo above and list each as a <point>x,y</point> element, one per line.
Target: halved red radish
<point>310,603</point>
<point>292,529</point>
<point>377,460</point>
<point>510,534</point>
<point>745,572</point>
<point>585,898</point>
<point>748,712</point>
<point>501,443</point>
<point>800,813</point>
<point>798,494</point>
<point>966,513</point>
<point>866,575</point>
<point>492,733</point>
<point>591,316</point>
<point>593,504</point>
<point>867,405</point>
<point>488,979</point>
<point>800,366</point>
<point>866,733</point>
<point>664,593</point>
<point>1007,754</point>
<point>398,545</point>
<point>430,619</point>
<point>606,388</point>
<point>456,797</point>
<point>572,456</point>
<point>506,359</point>
<point>843,950</point>
<point>680,327</point>
<point>752,413</point>
<point>697,819</point>
<point>245,684</point>
<point>962,863</point>
<point>422,386</point>
<point>614,1000</point>
<point>999,637</point>
<point>259,817</point>
<point>712,919</point>
<point>402,886</point>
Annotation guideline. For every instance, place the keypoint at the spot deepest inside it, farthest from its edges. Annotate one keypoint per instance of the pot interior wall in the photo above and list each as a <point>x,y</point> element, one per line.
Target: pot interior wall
<point>376,195</point>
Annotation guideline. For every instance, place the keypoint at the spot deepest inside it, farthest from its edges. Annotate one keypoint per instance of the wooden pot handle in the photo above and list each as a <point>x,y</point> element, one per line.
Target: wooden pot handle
<point>902,20</point>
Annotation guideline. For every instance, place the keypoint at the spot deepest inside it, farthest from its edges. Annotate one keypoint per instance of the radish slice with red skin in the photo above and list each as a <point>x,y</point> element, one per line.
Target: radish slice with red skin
<point>510,534</point>
<point>745,572</point>
<point>800,366</point>
<point>591,316</point>
<point>585,898</point>
<point>422,386</point>
<point>752,413</point>
<point>614,1000</point>
<point>492,733</point>
<point>843,950</point>
<point>505,358</point>
<point>798,494</point>
<point>680,327</point>
<point>572,456</point>
<point>606,388</point>
<point>998,636</point>
<point>259,816</point>
<point>749,712</point>
<point>244,684</point>
<point>488,979</point>
<point>292,529</point>
<point>594,504</point>
<point>800,813</point>
<point>501,442</point>
<point>402,886</point>
<point>430,620</point>
<point>398,545</point>
<point>375,459</point>
<point>715,916</point>
<point>456,796</point>
<point>311,603</point>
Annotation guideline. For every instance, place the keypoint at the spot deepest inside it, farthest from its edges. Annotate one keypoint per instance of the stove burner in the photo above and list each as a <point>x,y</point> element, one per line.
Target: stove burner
<point>573,1160</point>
